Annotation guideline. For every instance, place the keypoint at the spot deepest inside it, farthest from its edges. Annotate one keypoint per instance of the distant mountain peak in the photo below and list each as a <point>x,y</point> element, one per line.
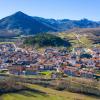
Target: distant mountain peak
<point>19,13</point>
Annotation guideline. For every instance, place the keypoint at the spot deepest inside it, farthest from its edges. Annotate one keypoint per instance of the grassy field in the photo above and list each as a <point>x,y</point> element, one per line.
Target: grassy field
<point>84,40</point>
<point>41,93</point>
<point>6,42</point>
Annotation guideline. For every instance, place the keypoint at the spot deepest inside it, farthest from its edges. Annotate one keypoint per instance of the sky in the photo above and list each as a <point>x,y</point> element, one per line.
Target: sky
<point>58,9</point>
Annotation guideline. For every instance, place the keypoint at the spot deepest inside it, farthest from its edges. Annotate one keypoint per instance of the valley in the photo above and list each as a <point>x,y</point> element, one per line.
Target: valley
<point>49,59</point>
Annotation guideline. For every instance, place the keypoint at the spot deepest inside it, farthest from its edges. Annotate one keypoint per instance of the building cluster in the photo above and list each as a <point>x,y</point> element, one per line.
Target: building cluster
<point>29,62</point>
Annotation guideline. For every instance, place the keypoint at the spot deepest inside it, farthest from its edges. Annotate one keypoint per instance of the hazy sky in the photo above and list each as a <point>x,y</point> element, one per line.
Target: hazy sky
<point>58,9</point>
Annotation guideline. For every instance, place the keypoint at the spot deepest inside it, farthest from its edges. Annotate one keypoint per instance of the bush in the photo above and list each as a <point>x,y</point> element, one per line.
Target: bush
<point>90,87</point>
<point>10,85</point>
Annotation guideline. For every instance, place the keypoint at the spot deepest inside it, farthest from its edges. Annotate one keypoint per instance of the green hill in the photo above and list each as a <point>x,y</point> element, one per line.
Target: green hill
<point>46,40</point>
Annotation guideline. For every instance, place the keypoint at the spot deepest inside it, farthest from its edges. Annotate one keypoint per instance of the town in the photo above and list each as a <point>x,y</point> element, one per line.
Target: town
<point>80,62</point>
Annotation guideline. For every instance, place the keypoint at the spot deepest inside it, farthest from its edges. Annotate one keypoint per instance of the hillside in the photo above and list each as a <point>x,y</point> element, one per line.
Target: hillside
<point>46,40</point>
<point>23,24</point>
<point>42,93</point>
<point>82,37</point>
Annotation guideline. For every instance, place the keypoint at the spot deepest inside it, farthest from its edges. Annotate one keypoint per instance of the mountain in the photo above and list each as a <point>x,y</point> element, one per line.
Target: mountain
<point>67,24</point>
<point>20,23</point>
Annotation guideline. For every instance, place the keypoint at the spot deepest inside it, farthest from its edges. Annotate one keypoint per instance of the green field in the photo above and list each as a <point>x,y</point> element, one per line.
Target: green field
<point>41,93</point>
<point>83,40</point>
<point>6,42</point>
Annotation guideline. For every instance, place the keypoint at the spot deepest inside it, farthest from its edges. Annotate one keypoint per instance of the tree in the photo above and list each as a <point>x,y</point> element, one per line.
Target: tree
<point>86,55</point>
